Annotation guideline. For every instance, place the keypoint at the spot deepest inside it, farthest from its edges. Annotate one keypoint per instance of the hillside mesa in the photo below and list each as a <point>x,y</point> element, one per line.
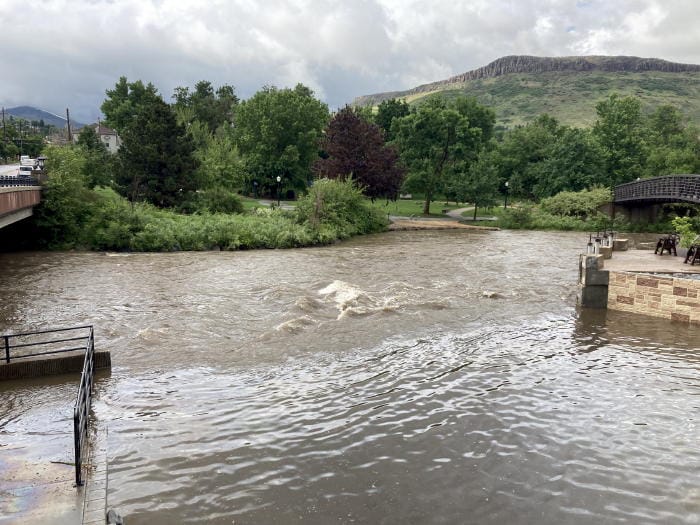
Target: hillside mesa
<point>521,87</point>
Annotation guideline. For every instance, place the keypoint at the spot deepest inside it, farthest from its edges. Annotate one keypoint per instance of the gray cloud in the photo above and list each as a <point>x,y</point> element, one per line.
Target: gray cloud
<point>66,53</point>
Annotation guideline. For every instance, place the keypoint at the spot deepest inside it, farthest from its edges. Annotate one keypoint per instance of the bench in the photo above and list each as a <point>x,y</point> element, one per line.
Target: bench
<point>667,242</point>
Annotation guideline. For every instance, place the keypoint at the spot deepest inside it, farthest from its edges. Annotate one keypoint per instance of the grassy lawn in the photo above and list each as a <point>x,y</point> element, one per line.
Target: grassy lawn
<point>401,207</point>
<point>413,207</point>
<point>249,203</point>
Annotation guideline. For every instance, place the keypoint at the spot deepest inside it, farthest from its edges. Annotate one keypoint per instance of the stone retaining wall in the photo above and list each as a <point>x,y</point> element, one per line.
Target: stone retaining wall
<point>671,298</point>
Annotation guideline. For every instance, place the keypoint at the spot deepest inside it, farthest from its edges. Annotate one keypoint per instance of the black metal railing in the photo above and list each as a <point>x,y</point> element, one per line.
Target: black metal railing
<point>32,344</point>
<point>18,180</point>
<point>81,411</point>
<point>48,342</point>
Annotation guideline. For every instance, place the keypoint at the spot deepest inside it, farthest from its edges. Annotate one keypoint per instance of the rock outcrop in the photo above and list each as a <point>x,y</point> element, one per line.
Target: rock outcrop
<point>531,64</point>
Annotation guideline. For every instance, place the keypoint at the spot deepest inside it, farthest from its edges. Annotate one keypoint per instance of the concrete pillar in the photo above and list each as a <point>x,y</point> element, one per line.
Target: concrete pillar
<point>593,282</point>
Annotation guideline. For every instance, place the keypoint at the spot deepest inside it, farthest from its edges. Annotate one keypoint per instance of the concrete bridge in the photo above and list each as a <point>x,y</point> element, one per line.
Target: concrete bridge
<point>17,203</point>
<point>641,200</point>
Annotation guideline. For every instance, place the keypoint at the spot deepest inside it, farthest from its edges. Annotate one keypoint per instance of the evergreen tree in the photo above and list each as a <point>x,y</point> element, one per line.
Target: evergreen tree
<point>124,101</point>
<point>156,159</point>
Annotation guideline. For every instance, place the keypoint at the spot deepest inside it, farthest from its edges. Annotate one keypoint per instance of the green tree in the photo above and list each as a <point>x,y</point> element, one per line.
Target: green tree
<point>277,132</point>
<point>213,108</point>
<point>434,142</point>
<point>618,130</point>
<point>387,111</point>
<point>521,153</point>
<point>479,185</point>
<point>156,160</point>
<point>355,147</point>
<point>574,162</point>
<point>673,146</point>
<point>124,101</point>
<point>99,164</point>
<point>65,207</point>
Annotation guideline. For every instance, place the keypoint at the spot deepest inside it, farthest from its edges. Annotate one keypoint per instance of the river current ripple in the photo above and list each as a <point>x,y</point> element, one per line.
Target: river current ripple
<point>413,377</point>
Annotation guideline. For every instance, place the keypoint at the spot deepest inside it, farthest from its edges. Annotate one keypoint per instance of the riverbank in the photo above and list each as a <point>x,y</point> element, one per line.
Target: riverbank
<point>405,224</point>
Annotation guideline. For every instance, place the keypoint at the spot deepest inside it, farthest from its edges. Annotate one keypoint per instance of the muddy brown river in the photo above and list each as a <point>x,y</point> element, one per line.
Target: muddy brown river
<point>402,378</point>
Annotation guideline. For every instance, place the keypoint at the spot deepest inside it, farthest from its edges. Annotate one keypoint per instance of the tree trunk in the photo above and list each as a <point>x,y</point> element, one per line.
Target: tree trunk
<point>426,204</point>
<point>475,211</point>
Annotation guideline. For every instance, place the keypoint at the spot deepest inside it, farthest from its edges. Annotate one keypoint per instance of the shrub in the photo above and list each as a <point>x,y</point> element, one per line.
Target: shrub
<point>338,206</point>
<point>686,228</point>
<point>516,218</point>
<point>581,204</point>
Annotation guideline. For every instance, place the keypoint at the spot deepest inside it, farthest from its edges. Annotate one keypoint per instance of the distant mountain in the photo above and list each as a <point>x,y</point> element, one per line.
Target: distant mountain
<point>30,113</point>
<point>520,88</point>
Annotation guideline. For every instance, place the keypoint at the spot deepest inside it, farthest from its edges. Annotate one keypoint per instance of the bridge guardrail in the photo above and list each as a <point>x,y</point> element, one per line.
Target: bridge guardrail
<point>18,180</point>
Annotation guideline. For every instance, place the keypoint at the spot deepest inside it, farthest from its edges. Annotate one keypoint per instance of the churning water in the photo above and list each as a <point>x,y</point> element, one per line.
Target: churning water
<point>409,377</point>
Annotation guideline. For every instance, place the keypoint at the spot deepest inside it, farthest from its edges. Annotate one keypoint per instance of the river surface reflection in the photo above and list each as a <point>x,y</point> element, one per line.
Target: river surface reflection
<point>408,377</point>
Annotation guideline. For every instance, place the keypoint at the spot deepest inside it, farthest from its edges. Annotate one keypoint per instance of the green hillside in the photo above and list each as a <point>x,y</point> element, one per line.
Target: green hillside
<point>568,95</point>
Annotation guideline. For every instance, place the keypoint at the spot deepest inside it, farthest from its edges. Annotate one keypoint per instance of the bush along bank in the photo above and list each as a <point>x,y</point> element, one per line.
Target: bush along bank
<point>74,217</point>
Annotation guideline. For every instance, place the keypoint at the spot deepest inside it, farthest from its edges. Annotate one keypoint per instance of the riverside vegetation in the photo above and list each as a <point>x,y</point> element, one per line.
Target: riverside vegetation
<point>76,216</point>
<point>176,182</point>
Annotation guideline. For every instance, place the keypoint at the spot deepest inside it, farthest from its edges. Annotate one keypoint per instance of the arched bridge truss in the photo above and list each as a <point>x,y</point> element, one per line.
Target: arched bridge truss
<point>656,190</point>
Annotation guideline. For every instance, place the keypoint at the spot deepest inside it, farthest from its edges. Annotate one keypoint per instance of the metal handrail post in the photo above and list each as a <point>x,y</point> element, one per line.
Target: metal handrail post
<point>77,438</point>
<point>7,348</point>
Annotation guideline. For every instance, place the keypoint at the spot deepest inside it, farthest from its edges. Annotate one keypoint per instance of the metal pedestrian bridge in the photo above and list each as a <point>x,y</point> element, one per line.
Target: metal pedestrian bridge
<point>656,190</point>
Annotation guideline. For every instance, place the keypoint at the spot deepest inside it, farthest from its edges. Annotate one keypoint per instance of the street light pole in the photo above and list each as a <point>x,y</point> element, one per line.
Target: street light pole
<point>505,201</point>
<point>279,183</point>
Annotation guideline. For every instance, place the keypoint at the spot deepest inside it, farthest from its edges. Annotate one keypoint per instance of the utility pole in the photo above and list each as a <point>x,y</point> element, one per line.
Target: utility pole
<point>70,137</point>
<point>4,137</point>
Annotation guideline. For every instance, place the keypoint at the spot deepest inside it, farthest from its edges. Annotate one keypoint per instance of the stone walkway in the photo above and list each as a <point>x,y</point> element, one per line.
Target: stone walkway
<point>646,261</point>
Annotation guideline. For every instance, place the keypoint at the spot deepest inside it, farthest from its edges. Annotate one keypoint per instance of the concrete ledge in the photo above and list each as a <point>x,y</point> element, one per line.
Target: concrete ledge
<point>621,245</point>
<point>51,365</point>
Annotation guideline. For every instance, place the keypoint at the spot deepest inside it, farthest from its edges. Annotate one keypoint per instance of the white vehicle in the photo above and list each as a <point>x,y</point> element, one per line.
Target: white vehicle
<point>24,160</point>
<point>25,171</point>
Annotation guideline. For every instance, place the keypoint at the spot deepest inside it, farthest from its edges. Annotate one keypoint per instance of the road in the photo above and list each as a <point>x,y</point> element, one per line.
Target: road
<point>9,169</point>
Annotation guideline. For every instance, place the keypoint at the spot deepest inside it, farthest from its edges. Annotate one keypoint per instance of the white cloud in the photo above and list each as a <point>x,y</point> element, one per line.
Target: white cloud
<point>76,49</point>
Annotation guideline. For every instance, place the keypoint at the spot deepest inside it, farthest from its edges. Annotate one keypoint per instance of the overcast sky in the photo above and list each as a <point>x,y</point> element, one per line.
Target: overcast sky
<point>65,53</point>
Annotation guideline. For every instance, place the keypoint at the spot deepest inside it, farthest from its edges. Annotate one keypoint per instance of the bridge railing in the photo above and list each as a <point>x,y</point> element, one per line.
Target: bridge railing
<point>18,180</point>
<point>669,188</point>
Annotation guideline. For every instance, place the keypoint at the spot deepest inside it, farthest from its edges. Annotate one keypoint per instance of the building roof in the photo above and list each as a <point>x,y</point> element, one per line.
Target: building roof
<point>100,129</point>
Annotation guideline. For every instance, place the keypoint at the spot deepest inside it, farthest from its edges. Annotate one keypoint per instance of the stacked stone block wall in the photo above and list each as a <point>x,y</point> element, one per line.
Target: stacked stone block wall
<point>671,298</point>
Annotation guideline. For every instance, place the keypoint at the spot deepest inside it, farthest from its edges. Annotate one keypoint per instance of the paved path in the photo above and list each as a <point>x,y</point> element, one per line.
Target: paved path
<point>284,205</point>
<point>457,214</point>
